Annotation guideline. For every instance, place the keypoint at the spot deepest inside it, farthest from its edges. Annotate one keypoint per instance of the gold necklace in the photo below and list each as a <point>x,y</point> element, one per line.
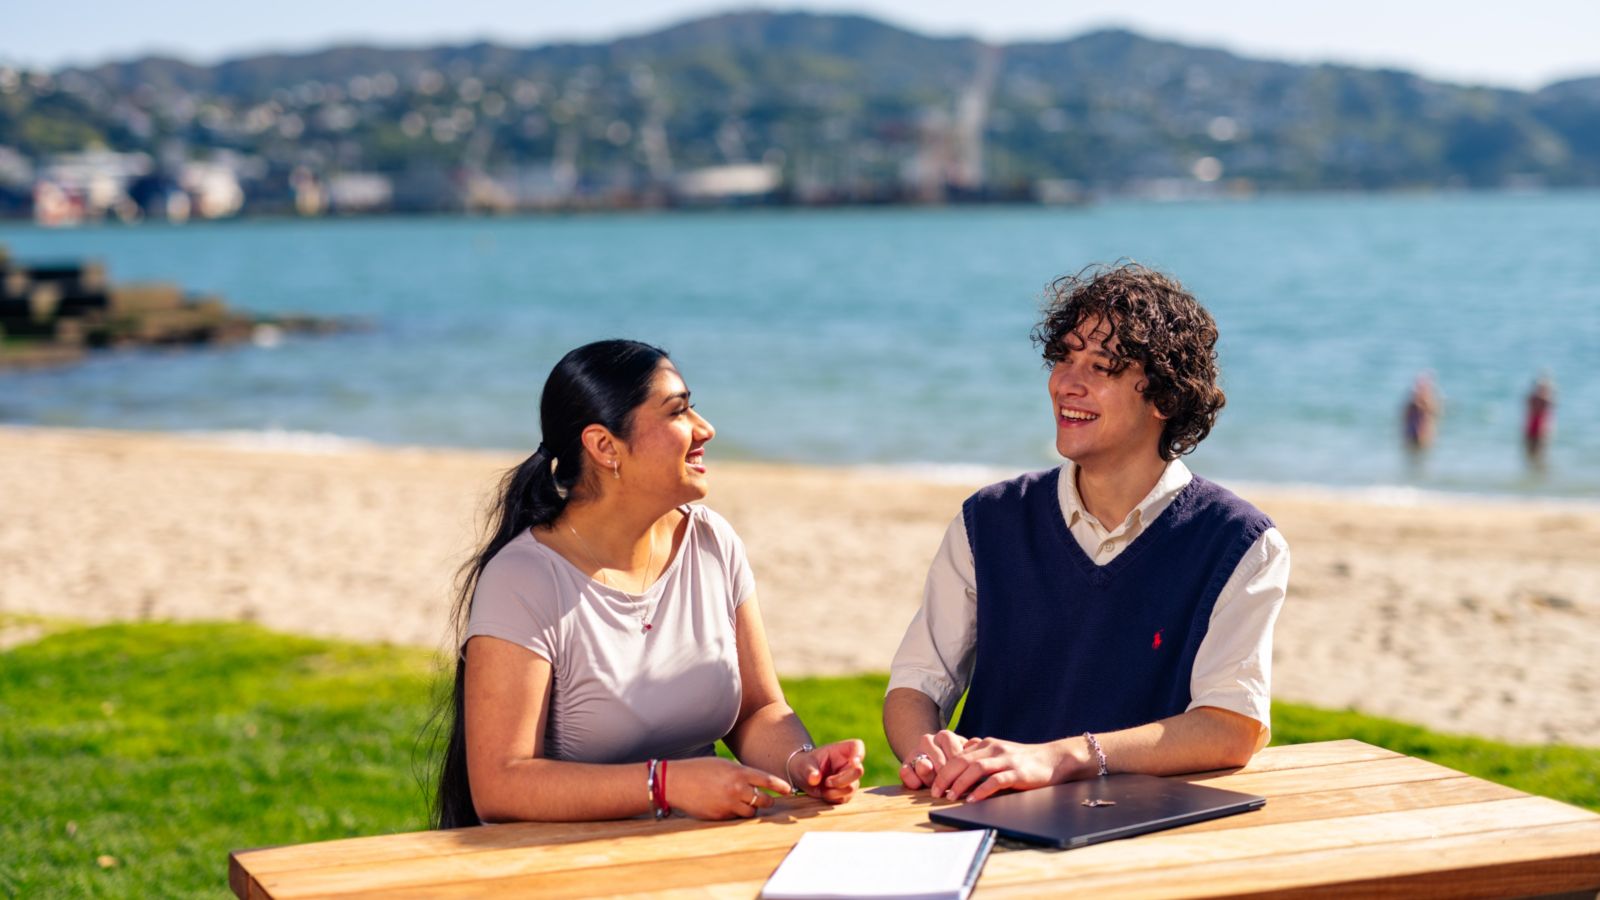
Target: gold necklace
<point>644,583</point>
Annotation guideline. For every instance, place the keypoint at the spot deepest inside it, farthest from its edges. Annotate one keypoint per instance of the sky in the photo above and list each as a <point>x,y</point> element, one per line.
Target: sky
<point>1525,45</point>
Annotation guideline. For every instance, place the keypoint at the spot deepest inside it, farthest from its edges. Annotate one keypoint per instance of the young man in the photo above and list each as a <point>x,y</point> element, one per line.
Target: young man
<point>1111,615</point>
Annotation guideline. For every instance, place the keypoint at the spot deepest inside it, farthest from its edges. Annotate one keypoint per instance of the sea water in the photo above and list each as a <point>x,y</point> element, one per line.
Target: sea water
<point>885,337</point>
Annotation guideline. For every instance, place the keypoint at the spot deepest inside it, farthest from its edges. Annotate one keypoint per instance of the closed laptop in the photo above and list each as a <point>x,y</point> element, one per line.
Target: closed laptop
<point>1080,813</point>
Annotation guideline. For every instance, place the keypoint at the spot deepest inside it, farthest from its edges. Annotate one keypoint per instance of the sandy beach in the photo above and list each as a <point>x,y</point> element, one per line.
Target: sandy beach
<point>1466,615</point>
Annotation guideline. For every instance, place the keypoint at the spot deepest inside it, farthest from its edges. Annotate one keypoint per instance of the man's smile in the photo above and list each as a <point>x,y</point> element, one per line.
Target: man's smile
<point>1068,414</point>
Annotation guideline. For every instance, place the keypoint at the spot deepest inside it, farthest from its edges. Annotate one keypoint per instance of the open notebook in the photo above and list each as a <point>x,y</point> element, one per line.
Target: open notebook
<point>881,864</point>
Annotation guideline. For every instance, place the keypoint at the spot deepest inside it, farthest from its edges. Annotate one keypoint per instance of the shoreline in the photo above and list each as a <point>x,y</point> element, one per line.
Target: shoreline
<point>1464,614</point>
<point>962,473</point>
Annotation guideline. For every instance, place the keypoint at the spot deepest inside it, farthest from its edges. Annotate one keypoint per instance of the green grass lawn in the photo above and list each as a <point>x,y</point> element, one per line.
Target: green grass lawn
<point>136,756</point>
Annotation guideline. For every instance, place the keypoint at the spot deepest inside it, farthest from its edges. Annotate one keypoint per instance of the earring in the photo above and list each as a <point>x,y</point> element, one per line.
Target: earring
<point>616,470</point>
<point>561,492</point>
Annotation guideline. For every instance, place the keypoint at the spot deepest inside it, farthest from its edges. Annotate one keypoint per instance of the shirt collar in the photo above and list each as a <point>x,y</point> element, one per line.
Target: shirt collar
<point>1174,478</point>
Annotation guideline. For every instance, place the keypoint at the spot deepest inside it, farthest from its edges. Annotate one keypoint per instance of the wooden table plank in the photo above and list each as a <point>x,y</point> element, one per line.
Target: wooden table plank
<point>628,878</point>
<point>1367,773</point>
<point>1168,849</point>
<point>666,847</point>
<point>469,840</point>
<point>1503,863</point>
<point>1403,869</point>
<point>1385,767</point>
<point>1321,753</point>
<point>747,836</point>
<point>1357,801</point>
<point>1309,809</point>
<point>1567,858</point>
<point>1327,798</point>
<point>525,833</point>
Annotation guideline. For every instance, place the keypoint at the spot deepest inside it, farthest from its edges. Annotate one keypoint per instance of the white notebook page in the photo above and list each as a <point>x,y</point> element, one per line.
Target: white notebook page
<point>877,864</point>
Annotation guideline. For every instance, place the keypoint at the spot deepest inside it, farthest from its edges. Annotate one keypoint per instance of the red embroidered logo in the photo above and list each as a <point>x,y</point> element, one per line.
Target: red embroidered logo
<point>1156,644</point>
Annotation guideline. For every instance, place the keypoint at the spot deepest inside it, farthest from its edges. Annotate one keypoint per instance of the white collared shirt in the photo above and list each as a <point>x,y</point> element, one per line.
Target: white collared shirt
<point>1232,666</point>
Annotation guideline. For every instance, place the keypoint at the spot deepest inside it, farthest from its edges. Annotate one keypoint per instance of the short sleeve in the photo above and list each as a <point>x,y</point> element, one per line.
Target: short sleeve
<point>1233,665</point>
<point>741,578</point>
<point>518,600</point>
<point>936,655</point>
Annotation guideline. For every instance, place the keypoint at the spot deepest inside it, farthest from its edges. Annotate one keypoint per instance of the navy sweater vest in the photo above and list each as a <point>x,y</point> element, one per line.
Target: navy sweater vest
<point>1065,646</point>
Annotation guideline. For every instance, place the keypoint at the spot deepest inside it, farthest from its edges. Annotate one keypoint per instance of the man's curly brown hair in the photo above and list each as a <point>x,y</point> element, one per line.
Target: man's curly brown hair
<point>1153,321</point>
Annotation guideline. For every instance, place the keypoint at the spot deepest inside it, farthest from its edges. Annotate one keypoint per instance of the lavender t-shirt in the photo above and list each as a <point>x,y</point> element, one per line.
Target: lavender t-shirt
<point>622,693</point>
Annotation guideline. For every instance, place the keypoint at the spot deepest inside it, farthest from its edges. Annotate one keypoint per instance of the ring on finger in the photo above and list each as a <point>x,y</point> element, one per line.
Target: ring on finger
<point>755,794</point>
<point>920,757</point>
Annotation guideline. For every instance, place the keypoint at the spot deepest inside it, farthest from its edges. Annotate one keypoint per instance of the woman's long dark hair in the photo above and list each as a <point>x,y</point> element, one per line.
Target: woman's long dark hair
<point>600,383</point>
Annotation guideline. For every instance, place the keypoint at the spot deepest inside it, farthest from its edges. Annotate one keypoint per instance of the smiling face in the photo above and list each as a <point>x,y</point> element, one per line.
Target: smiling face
<point>1102,416</point>
<point>664,455</point>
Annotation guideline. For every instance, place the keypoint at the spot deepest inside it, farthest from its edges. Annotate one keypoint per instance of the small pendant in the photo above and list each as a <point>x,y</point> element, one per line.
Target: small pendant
<point>648,626</point>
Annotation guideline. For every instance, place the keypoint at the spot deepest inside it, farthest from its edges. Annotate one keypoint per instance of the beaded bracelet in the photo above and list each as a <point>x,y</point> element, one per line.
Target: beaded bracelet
<point>1098,753</point>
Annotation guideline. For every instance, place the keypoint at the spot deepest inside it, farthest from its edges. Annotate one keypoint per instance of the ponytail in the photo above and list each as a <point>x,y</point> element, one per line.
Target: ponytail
<point>530,494</point>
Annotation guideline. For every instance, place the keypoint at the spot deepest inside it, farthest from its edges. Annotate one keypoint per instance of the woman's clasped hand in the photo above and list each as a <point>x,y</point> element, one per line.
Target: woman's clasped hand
<point>712,788</point>
<point>831,772</point>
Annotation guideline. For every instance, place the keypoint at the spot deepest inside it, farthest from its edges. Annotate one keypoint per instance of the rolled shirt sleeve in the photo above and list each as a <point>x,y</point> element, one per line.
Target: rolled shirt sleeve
<point>936,655</point>
<point>1233,664</point>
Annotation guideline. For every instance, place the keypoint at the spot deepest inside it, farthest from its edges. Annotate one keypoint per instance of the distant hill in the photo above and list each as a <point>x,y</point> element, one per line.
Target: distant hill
<point>845,106</point>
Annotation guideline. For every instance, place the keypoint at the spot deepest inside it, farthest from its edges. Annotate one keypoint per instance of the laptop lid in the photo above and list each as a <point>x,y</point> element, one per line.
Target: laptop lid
<point>1080,813</point>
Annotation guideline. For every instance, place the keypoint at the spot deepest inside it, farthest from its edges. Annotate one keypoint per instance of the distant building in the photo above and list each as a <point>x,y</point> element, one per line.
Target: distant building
<point>54,206</point>
<point>90,186</point>
<point>725,184</point>
<point>488,193</point>
<point>77,187</point>
<point>360,192</point>
<point>213,189</point>
<point>310,199</point>
<point>537,186</point>
<point>546,186</point>
<point>15,169</point>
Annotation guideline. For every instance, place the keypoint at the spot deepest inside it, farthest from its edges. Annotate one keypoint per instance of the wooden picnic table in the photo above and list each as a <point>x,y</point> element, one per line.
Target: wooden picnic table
<point>1342,818</point>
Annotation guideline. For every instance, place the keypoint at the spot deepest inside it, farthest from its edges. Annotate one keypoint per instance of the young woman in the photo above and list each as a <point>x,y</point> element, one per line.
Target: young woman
<point>609,632</point>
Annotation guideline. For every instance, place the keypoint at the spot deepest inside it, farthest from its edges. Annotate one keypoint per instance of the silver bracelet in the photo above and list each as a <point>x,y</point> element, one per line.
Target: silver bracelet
<point>1098,753</point>
<point>650,788</point>
<point>806,747</point>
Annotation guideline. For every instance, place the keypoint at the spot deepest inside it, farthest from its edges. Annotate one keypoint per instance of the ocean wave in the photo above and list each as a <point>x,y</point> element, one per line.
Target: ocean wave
<point>278,440</point>
<point>940,473</point>
<point>1401,495</point>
